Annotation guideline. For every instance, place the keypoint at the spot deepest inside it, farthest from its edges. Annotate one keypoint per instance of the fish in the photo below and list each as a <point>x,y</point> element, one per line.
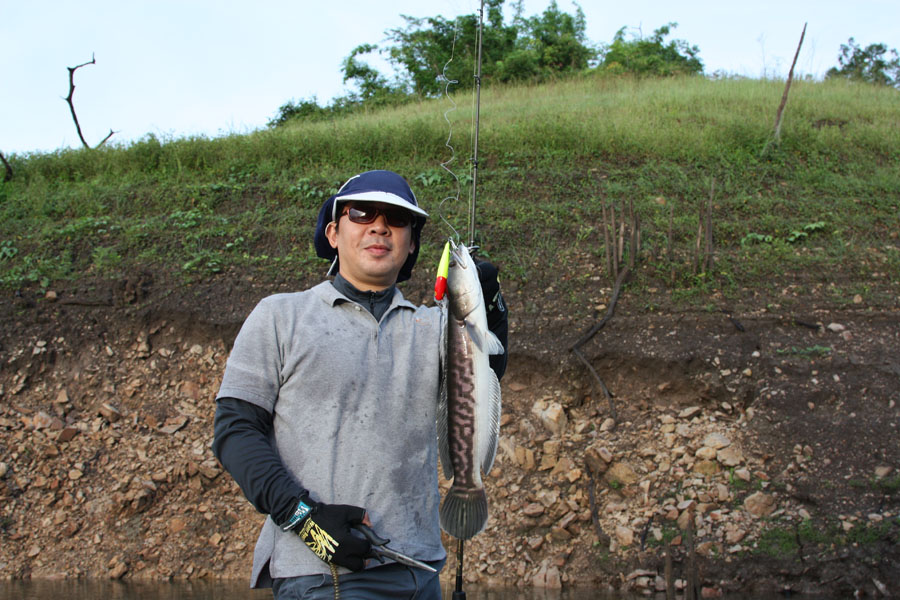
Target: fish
<point>470,403</point>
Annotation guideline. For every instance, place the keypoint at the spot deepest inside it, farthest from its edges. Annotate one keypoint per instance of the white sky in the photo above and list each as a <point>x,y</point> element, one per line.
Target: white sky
<point>184,67</point>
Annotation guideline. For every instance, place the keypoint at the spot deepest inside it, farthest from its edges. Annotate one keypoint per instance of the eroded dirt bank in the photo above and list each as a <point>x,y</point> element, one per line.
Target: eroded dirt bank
<point>775,444</point>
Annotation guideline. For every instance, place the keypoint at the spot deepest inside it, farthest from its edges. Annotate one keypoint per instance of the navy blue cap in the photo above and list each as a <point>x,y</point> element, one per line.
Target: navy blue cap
<point>385,187</point>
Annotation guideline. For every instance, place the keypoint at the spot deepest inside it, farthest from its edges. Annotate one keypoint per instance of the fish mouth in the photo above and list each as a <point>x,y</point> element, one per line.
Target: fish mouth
<point>457,255</point>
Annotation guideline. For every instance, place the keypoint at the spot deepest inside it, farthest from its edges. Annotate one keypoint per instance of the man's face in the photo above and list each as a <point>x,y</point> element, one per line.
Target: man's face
<point>371,255</point>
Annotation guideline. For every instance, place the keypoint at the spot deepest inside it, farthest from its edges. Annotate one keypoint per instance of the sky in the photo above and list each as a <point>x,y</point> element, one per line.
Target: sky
<point>179,68</point>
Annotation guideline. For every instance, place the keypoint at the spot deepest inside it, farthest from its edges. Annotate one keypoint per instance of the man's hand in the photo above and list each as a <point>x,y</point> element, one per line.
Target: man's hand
<point>327,532</point>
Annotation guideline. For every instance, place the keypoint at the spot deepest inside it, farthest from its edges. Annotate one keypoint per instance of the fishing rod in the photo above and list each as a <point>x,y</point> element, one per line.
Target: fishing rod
<point>477,123</point>
<point>458,593</point>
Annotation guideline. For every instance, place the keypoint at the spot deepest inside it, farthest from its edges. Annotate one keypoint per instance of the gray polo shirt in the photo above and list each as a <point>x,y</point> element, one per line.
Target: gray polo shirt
<point>354,404</point>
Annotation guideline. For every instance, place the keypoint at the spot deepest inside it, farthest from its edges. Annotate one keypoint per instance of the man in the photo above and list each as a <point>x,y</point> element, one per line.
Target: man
<point>326,412</point>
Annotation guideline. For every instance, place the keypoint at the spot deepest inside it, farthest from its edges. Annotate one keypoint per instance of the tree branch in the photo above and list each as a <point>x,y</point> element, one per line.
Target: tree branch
<point>72,70</point>
<point>9,172</point>
<point>787,88</point>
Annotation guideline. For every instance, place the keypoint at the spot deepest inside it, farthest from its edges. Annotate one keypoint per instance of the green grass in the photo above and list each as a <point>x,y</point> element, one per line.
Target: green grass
<point>821,208</point>
<point>785,540</point>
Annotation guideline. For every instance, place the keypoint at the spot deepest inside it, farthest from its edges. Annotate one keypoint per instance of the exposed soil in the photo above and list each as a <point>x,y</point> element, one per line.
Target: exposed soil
<point>106,404</point>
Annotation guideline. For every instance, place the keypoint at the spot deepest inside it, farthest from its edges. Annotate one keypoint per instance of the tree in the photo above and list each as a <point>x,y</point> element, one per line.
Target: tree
<point>867,64</point>
<point>374,87</point>
<point>527,49</point>
<point>651,56</point>
<point>555,41</point>
<point>422,50</point>
<point>427,52</point>
<point>68,99</point>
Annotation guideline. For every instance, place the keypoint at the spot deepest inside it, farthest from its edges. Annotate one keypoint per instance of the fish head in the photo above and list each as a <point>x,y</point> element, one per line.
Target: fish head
<point>463,285</point>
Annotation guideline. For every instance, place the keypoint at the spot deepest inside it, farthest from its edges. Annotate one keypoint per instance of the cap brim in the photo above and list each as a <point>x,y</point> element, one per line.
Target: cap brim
<point>383,198</point>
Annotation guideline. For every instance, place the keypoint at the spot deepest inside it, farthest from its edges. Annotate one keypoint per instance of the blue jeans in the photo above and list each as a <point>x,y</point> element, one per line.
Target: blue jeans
<point>384,582</point>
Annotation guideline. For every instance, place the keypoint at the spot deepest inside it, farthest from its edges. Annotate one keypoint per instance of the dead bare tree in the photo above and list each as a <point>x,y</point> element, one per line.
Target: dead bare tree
<point>703,249</point>
<point>617,237</point>
<point>787,88</point>
<point>7,167</point>
<point>72,70</point>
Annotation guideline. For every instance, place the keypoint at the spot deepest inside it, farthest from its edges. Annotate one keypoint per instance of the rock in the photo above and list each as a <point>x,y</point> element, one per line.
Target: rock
<point>706,453</point>
<point>689,412</point>
<point>535,542</point>
<point>567,520</point>
<point>533,510</point>
<point>716,441</point>
<point>4,469</point>
<point>564,465</point>
<point>883,471</point>
<point>734,534</point>
<point>742,474</point>
<point>554,418</point>
<point>722,492</point>
<point>62,397</point>
<point>605,454</point>
<point>706,467</point>
<point>516,386</point>
<point>548,461</point>
<point>50,296</point>
<point>176,525</point>
<point>109,411</point>
<point>547,576</point>
<point>44,421</point>
<point>594,461</point>
<point>730,456</point>
<point>708,549</point>
<point>624,535</point>
<point>118,570</point>
<point>835,327</point>
<point>608,424</point>
<point>548,497</point>
<point>173,424</point>
<point>760,504</point>
<point>66,434</point>
<point>622,473</point>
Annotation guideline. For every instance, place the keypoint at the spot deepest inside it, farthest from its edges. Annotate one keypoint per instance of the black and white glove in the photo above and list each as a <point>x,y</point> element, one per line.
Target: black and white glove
<point>327,530</point>
<point>489,277</point>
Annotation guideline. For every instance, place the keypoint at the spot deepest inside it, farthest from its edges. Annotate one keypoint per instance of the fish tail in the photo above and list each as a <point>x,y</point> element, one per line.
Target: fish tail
<point>464,512</point>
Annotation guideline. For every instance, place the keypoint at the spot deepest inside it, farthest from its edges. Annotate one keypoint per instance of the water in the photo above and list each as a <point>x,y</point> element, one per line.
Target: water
<point>237,590</point>
<point>115,590</point>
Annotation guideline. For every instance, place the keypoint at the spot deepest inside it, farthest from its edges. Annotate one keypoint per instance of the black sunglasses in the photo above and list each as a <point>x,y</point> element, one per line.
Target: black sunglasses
<point>395,217</point>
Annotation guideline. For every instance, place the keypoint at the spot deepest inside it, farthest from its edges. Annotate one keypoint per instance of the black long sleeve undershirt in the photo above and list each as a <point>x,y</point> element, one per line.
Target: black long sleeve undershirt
<point>242,441</point>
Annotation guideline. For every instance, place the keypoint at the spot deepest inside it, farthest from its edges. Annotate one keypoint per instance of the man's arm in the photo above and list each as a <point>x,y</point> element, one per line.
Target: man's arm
<point>242,443</point>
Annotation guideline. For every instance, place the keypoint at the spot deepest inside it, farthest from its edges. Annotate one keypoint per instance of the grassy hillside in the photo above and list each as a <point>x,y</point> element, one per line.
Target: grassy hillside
<point>822,208</point>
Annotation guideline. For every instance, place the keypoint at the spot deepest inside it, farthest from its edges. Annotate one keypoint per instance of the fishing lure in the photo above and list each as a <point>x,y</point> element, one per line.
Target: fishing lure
<point>440,284</point>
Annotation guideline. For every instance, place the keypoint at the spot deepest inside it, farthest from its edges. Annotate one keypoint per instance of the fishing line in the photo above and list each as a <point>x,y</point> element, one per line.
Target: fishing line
<point>446,164</point>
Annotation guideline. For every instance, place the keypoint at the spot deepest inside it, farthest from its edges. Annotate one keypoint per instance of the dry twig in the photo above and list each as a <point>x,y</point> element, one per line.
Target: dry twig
<point>787,88</point>
<point>8,175</point>
<point>72,70</point>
